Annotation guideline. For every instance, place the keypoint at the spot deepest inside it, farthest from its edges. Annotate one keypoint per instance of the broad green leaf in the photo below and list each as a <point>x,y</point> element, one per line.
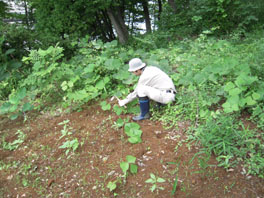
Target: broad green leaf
<point>5,107</point>
<point>113,64</point>
<point>131,125</point>
<point>13,108</point>
<point>233,99</point>
<point>15,64</point>
<point>135,139</point>
<point>235,91</point>
<point>27,107</point>
<point>10,51</point>
<point>250,101</point>
<point>13,117</point>
<point>105,106</point>
<point>89,68</point>
<point>124,166</point>
<point>229,86</point>
<point>133,168</point>
<point>131,159</point>
<point>256,96</point>
<point>120,122</point>
<point>111,186</point>
<point>21,93</point>
<point>100,84</point>
<point>118,110</point>
<point>78,95</point>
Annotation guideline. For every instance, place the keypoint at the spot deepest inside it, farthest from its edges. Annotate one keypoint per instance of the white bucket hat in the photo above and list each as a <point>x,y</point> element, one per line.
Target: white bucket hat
<point>135,64</point>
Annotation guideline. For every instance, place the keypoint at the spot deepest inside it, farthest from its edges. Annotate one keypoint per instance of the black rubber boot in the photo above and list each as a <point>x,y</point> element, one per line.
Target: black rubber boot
<point>144,109</point>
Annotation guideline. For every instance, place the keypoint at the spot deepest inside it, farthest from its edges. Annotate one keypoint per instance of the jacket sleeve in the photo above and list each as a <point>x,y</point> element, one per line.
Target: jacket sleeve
<point>131,96</point>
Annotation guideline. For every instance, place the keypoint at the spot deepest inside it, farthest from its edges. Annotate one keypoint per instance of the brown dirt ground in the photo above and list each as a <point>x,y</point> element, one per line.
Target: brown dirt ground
<point>39,168</point>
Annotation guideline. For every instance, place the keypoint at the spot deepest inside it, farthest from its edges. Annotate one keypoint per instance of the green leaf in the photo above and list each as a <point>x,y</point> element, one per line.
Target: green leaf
<point>235,91</point>
<point>5,107</point>
<point>131,126</point>
<point>105,106</point>
<point>229,86</point>
<point>152,176</point>
<point>13,117</point>
<point>133,168</point>
<point>100,84</point>
<point>21,93</point>
<point>118,110</point>
<point>153,187</point>
<point>111,186</point>
<point>250,101</point>
<point>124,166</point>
<point>256,96</point>
<point>10,51</point>
<point>161,180</point>
<point>27,107</point>
<point>150,181</point>
<point>113,64</point>
<point>89,68</point>
<point>134,139</point>
<point>131,159</point>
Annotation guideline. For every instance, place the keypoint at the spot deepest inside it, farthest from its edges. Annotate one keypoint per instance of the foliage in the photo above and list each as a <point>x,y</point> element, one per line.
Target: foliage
<point>155,181</point>
<point>17,104</point>
<point>217,81</point>
<point>16,143</point>
<point>221,16</point>
<point>133,131</point>
<point>129,164</point>
<point>70,145</point>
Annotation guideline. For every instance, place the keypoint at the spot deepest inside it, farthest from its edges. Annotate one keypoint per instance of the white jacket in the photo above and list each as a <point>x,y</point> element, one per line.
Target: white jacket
<point>152,77</point>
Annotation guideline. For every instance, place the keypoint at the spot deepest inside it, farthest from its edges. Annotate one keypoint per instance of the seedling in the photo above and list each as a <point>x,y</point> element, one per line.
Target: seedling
<point>70,145</point>
<point>112,186</point>
<point>105,106</point>
<point>65,131</point>
<point>130,165</point>
<point>16,143</point>
<point>134,132</point>
<point>155,181</point>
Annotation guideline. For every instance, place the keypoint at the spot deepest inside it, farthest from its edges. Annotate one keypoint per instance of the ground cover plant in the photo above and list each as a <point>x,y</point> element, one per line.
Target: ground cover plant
<point>77,142</point>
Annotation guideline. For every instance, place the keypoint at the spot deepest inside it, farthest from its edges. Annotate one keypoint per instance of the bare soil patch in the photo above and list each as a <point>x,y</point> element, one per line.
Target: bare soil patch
<point>39,168</point>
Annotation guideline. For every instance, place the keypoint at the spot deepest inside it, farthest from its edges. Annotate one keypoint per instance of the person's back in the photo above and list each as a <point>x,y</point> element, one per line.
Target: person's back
<point>156,78</point>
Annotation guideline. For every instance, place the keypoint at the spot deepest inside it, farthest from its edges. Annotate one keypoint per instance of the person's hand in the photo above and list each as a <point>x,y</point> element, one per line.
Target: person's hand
<point>122,102</point>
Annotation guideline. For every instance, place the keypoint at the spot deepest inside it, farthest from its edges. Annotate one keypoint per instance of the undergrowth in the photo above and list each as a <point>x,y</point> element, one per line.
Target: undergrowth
<point>216,81</point>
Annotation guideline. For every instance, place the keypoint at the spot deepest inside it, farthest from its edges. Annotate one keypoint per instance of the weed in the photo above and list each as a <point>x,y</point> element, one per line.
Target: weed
<point>16,143</point>
<point>134,132</point>
<point>130,165</point>
<point>155,181</point>
<point>70,145</point>
<point>66,129</point>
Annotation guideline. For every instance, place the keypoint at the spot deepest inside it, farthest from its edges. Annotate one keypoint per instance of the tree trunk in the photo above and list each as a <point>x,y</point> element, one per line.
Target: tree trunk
<point>160,9</point>
<point>119,25</point>
<point>108,25</point>
<point>173,5</point>
<point>146,15</point>
<point>26,14</point>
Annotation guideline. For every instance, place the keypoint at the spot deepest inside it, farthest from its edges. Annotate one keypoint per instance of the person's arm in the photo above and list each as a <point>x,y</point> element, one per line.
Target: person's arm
<point>128,99</point>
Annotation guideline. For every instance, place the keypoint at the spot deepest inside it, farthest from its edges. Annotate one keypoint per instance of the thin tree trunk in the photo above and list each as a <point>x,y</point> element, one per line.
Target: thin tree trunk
<point>26,14</point>
<point>160,9</point>
<point>108,25</point>
<point>119,25</point>
<point>146,15</point>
